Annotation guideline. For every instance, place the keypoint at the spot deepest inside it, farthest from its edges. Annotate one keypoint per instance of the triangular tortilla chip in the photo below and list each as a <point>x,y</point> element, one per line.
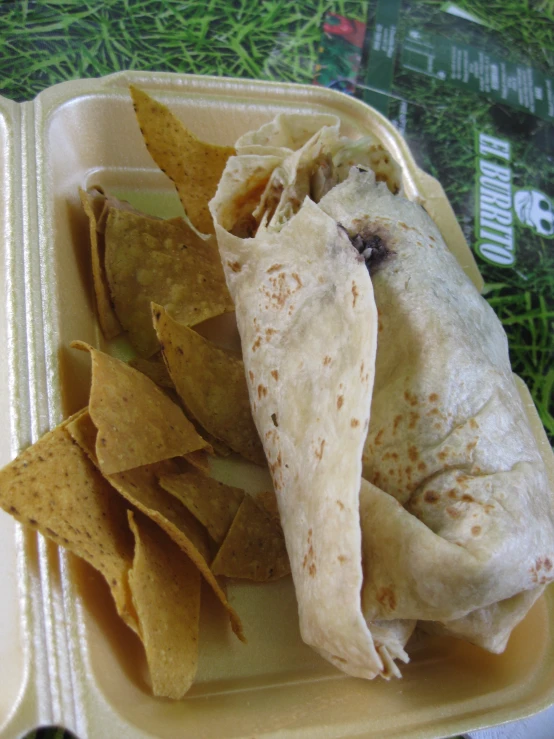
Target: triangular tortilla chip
<point>211,383</point>
<point>162,261</point>
<point>165,586</point>
<point>194,166</point>
<point>93,203</point>
<point>54,488</point>
<point>268,500</point>
<point>140,487</point>
<point>254,548</point>
<point>155,369</point>
<point>214,504</point>
<point>137,423</point>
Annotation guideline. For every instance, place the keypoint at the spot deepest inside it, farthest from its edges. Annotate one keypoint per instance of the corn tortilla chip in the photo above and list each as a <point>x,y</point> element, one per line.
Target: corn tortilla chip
<point>165,586</point>
<point>268,500</point>
<point>54,488</point>
<point>137,423</point>
<point>194,166</point>
<point>162,261</point>
<point>155,369</point>
<point>211,383</point>
<point>141,488</point>
<point>214,504</point>
<point>254,548</point>
<point>93,203</point>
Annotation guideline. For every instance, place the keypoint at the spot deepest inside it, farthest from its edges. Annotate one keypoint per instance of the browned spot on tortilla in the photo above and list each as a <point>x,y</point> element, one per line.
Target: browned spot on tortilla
<point>355,293</point>
<point>397,420</point>
<point>488,507</point>
<point>437,426</point>
<point>453,493</point>
<point>391,471</point>
<point>341,558</point>
<point>411,399</point>
<point>471,446</point>
<point>434,412</point>
<point>312,569</point>
<point>340,505</point>
<point>453,512</point>
<point>467,498</point>
<point>273,268</point>
<point>362,370</point>
<point>422,466</point>
<point>354,422</point>
<point>475,530</point>
<point>275,374</point>
<point>414,417</point>
<point>340,401</point>
<point>262,391</point>
<point>297,278</point>
<point>442,455</point>
<point>473,423</point>
<point>257,343</point>
<point>376,478</point>
<point>413,453</point>
<point>431,496</point>
<point>379,437</point>
<point>386,597</point>
<point>327,360</point>
<point>433,398</point>
<point>235,266</point>
<point>319,452</point>
<point>251,375</point>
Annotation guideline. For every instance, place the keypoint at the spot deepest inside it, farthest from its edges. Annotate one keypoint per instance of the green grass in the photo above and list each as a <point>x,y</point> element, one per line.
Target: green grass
<point>45,43</point>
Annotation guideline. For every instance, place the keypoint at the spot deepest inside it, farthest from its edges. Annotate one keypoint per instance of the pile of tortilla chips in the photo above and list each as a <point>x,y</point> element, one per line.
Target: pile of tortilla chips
<point>124,483</point>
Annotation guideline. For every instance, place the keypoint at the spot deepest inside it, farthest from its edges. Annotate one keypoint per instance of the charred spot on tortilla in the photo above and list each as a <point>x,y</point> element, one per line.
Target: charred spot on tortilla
<point>372,247</point>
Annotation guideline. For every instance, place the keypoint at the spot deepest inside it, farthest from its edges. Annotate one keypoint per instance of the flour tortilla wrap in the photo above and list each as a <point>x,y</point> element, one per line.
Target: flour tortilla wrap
<point>453,525</point>
<point>307,320</point>
<point>458,523</point>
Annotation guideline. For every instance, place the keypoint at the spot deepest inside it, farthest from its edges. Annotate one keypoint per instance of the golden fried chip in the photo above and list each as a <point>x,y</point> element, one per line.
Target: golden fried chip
<point>211,383</point>
<point>165,586</point>
<point>200,460</point>
<point>214,504</point>
<point>269,501</point>
<point>155,369</point>
<point>140,487</point>
<point>137,423</point>
<point>254,548</point>
<point>166,262</point>
<point>54,487</point>
<point>194,166</point>
<point>93,204</point>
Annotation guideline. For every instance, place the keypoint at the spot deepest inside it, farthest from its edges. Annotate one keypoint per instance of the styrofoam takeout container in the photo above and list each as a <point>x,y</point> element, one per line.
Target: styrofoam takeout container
<point>64,656</point>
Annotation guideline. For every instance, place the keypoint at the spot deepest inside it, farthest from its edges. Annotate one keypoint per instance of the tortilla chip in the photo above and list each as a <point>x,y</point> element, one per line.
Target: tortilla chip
<point>155,369</point>
<point>54,488</point>
<point>254,548</point>
<point>93,203</point>
<point>165,586</point>
<point>194,166</point>
<point>166,262</point>
<point>140,487</point>
<point>200,460</point>
<point>211,383</point>
<point>137,423</point>
<point>214,504</point>
<point>268,501</point>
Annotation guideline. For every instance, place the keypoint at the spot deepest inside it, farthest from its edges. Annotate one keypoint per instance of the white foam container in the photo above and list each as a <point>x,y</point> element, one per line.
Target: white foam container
<point>64,656</point>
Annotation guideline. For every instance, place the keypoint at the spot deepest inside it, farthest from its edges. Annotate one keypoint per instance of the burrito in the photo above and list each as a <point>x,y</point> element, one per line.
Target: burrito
<point>409,483</point>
